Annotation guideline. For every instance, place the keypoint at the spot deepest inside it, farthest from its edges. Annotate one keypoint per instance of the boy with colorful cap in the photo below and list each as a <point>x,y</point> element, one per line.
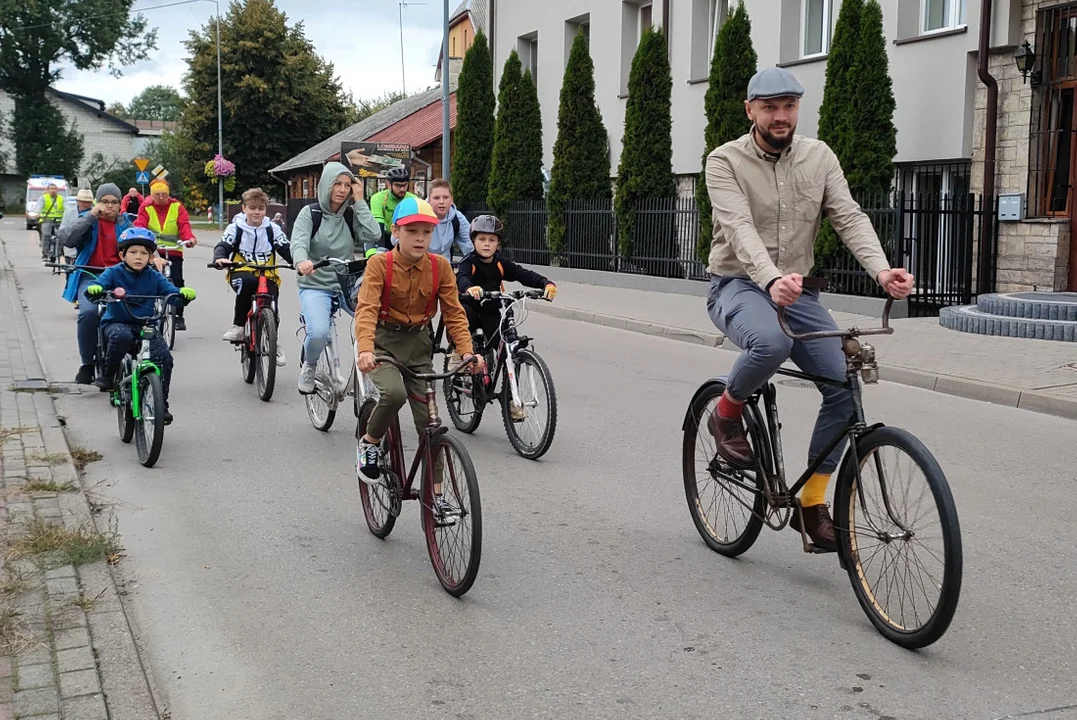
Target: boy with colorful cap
<point>399,296</point>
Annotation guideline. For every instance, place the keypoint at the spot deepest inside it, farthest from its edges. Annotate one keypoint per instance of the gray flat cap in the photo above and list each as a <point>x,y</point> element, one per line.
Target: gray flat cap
<point>774,82</point>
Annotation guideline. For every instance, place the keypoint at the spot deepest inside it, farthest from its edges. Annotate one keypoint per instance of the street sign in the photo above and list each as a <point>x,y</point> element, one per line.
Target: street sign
<point>158,170</point>
<point>142,163</point>
<point>162,175</point>
<point>142,177</point>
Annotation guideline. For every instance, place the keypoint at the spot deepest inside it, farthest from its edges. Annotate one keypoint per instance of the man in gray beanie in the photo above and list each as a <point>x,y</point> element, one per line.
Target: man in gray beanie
<point>769,190</point>
<point>94,235</point>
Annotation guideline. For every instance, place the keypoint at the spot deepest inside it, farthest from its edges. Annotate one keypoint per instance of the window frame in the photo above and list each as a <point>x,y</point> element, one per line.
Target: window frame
<point>827,29</point>
<point>957,16</point>
<point>639,19</point>
<point>715,24</point>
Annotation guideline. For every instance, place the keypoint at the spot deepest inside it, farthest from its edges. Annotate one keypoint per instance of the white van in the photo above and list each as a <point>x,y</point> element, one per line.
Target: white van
<point>35,188</point>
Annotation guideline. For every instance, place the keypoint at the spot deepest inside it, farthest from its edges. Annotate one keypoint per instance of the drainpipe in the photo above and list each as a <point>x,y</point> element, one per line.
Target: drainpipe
<point>992,100</point>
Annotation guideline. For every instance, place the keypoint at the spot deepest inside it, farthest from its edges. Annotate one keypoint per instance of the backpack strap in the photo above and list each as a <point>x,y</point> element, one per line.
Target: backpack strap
<point>315,218</point>
<point>432,302</point>
<point>387,287</point>
<point>501,271</point>
<point>455,226</point>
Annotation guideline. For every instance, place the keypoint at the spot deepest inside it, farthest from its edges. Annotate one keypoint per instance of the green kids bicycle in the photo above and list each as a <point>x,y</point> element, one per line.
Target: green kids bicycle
<point>139,396</point>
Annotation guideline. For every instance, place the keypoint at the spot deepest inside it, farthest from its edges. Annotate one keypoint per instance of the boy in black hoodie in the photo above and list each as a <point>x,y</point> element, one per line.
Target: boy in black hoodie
<point>485,270</point>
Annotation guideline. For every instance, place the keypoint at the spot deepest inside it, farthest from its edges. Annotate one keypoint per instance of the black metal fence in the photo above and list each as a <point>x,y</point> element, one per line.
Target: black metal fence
<point>948,242</point>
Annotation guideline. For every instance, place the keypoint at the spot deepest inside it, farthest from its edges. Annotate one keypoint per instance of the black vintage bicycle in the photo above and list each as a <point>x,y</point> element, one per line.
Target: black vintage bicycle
<point>895,520</point>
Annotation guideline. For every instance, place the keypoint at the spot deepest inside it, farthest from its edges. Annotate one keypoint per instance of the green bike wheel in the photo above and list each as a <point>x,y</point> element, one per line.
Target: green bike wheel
<point>150,425</point>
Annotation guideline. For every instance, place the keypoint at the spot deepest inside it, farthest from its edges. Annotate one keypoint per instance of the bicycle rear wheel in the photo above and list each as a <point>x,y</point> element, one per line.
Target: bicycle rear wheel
<point>322,403</point>
<point>266,354</point>
<point>381,502</point>
<point>124,419</point>
<point>532,436</point>
<point>464,398</point>
<point>168,326</point>
<point>453,538</point>
<point>884,521</point>
<point>727,514</point>
<point>247,360</point>
<point>150,427</point>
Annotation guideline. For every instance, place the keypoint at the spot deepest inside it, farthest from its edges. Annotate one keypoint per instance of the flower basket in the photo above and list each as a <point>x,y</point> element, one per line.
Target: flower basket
<point>221,169</point>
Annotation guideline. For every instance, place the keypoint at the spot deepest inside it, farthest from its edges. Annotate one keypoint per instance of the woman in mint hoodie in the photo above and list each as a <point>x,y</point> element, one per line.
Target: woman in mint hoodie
<point>333,227</point>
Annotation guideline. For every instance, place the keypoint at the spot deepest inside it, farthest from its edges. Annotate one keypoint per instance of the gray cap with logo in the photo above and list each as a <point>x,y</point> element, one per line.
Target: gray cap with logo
<point>773,82</point>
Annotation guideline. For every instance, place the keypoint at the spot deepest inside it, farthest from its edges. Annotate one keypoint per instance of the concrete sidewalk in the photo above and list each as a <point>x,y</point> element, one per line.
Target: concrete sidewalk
<point>68,650</point>
<point>1038,375</point>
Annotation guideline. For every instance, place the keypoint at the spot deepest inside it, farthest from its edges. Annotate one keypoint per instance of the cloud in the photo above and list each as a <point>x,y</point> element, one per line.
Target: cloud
<point>362,40</point>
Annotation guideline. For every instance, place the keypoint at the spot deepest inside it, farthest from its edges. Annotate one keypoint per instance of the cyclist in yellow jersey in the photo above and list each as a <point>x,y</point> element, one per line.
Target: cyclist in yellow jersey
<point>50,208</point>
<point>166,216</point>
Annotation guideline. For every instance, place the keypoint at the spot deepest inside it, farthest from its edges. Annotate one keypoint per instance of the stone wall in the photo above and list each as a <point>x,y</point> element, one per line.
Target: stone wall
<point>1031,254</point>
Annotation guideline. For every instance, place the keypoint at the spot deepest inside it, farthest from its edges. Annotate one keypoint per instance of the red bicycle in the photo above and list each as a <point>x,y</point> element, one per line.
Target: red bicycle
<point>258,347</point>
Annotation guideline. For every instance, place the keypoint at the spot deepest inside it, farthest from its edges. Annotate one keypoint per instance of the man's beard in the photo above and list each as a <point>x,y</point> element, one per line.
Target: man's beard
<point>778,143</point>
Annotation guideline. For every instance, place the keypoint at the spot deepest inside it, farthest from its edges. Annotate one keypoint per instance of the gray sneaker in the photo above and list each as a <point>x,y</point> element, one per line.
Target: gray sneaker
<point>306,379</point>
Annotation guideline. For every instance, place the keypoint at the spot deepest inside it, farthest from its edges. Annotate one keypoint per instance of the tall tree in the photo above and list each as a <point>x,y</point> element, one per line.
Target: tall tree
<point>516,166</point>
<point>279,95</point>
<point>646,167</point>
<point>836,110</point>
<point>157,102</point>
<point>474,124</point>
<point>873,136</point>
<point>35,39</point>
<point>166,150</point>
<point>732,66</point>
<point>581,153</point>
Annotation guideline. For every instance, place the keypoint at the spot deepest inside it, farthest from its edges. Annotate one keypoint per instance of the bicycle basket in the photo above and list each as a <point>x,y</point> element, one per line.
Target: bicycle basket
<point>349,286</point>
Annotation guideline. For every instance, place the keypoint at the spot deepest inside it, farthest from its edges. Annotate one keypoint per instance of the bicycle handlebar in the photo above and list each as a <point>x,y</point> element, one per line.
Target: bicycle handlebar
<point>248,266</point>
<point>822,284</point>
<point>354,266</point>
<point>110,297</point>
<point>514,295</point>
<point>408,372</point>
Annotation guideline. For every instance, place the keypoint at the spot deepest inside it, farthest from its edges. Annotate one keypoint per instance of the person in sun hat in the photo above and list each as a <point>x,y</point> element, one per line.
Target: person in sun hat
<point>168,219</point>
<point>397,324</point>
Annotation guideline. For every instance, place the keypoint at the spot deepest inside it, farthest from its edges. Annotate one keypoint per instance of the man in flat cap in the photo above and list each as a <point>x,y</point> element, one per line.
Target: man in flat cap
<point>769,190</point>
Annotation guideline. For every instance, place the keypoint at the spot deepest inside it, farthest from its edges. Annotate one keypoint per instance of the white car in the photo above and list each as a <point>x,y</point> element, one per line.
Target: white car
<point>35,188</point>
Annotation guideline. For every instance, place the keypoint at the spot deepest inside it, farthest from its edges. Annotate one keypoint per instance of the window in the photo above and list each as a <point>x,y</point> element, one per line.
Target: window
<point>942,15</point>
<point>815,28</point>
<point>1052,150</point>
<point>644,19</point>
<point>579,25</point>
<point>527,47</point>
<point>708,16</point>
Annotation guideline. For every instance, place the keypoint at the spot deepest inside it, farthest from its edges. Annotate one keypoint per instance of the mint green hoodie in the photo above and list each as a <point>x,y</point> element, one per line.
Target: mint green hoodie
<point>335,239</point>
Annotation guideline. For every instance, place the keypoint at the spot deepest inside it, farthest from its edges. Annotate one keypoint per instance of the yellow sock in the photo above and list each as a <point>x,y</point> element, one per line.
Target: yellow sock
<point>814,491</point>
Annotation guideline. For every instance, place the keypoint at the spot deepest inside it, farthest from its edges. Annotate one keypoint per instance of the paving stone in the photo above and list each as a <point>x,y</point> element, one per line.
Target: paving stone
<point>75,659</point>
<point>63,586</point>
<point>72,638</point>
<point>36,676</point>
<point>87,707</point>
<point>80,682</point>
<point>36,702</point>
<point>67,571</point>
<point>34,655</point>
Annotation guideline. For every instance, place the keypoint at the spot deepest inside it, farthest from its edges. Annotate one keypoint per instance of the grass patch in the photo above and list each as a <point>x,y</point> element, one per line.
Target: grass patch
<point>15,632</point>
<point>53,459</point>
<point>84,603</point>
<point>55,545</point>
<point>83,457</point>
<point>50,486</point>
<point>6,433</point>
<point>50,389</point>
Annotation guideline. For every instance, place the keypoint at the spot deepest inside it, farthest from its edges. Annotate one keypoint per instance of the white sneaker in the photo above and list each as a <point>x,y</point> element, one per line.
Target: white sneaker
<point>234,335</point>
<point>281,359</point>
<point>306,379</point>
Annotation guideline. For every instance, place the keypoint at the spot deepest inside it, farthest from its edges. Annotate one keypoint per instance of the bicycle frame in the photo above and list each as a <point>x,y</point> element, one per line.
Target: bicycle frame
<point>141,363</point>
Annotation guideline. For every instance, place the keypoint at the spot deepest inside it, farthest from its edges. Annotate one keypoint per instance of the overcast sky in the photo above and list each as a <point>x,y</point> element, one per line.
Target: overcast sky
<point>361,38</point>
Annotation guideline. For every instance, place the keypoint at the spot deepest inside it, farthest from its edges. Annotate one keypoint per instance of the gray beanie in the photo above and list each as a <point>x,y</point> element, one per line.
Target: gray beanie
<point>108,189</point>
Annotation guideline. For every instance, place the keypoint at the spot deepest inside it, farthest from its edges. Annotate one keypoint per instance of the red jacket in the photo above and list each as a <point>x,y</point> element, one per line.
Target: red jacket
<point>183,220</point>
<point>138,203</point>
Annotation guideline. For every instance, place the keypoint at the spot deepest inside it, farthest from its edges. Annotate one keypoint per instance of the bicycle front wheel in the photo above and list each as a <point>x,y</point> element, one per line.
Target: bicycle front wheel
<point>464,398</point>
<point>898,529</point>
<point>726,504</point>
<point>531,425</point>
<point>453,527</point>
<point>322,403</point>
<point>266,354</point>
<point>150,427</point>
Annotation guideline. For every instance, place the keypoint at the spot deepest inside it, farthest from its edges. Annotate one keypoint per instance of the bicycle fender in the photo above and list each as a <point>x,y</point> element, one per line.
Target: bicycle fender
<point>717,380</point>
<point>846,457</point>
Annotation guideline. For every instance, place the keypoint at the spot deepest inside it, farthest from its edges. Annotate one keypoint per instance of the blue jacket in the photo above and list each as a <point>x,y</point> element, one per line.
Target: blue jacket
<point>82,234</point>
<point>144,282</point>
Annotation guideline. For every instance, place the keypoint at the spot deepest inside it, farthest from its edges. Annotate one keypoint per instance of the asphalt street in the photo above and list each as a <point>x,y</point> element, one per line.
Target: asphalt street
<point>257,591</point>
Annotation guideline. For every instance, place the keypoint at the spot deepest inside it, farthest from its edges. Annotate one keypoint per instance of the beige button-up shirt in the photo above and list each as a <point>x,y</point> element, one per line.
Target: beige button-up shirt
<point>767,210</point>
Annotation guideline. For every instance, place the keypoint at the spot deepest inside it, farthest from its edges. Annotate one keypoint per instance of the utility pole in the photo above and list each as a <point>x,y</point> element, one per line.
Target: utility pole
<point>445,171</point>
<point>403,81</point>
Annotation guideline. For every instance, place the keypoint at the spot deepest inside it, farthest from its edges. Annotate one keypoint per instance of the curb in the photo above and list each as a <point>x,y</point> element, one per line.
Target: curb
<point>118,655</point>
<point>946,384</point>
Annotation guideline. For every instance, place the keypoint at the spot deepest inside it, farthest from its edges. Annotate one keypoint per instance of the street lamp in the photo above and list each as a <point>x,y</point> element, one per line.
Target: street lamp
<point>403,82</point>
<point>445,92</point>
<point>220,122</point>
<point>1025,57</point>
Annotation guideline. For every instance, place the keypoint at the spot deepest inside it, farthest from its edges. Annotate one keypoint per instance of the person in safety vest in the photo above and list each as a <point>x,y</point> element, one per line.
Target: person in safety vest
<point>168,219</point>
<point>50,208</point>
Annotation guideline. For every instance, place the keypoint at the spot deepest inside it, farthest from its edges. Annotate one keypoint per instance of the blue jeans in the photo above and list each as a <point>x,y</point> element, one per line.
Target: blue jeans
<point>317,307</point>
<point>87,322</point>
<point>748,317</point>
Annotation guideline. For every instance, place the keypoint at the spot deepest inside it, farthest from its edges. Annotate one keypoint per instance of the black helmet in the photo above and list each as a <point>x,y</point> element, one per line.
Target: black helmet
<point>137,236</point>
<point>487,224</point>
<point>398,174</point>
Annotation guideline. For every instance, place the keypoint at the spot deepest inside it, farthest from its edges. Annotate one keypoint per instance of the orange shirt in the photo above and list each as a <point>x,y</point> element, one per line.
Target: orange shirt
<point>409,296</point>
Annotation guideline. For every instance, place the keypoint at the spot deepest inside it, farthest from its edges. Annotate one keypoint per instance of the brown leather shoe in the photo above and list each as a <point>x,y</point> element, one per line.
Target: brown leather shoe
<point>818,525</point>
<point>732,443</point>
